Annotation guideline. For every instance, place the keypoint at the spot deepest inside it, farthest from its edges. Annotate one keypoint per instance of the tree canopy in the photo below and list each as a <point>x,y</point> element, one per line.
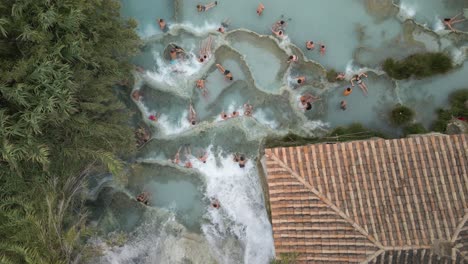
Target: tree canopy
<point>60,61</point>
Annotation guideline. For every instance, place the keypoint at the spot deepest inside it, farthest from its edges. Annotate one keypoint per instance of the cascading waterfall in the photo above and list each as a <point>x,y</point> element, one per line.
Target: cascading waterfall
<point>191,230</point>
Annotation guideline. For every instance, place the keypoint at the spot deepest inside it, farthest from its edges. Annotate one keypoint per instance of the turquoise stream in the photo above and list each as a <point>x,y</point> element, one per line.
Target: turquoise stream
<point>179,225</point>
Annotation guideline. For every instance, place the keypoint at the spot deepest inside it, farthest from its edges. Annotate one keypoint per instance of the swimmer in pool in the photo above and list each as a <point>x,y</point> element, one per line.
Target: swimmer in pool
<point>340,76</point>
<point>241,159</point>
<point>279,25</point>
<point>173,54</point>
<point>292,58</point>
<point>176,159</point>
<point>224,26</point>
<point>360,82</point>
<point>300,80</point>
<point>155,117</point>
<point>322,49</point>
<point>201,85</point>
<point>227,74</point>
<point>205,49</point>
<point>310,45</point>
<point>278,33</point>
<point>136,95</point>
<point>224,116</point>
<point>143,198</point>
<point>188,153</point>
<point>248,109</point>
<point>162,25</point>
<point>449,22</point>
<point>343,105</point>
<point>307,100</point>
<point>203,156</point>
<point>260,9</point>
<point>192,115</point>
<point>215,203</point>
<point>203,8</point>
<point>234,114</point>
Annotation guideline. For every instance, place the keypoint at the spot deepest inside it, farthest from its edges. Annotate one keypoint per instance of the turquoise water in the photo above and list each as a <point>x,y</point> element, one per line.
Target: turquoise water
<point>180,225</point>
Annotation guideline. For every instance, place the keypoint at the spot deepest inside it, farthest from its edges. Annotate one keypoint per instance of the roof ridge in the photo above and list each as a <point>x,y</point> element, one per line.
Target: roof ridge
<point>325,200</point>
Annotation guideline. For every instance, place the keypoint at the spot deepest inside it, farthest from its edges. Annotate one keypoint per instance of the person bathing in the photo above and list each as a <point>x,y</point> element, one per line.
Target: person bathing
<point>143,198</point>
<point>300,80</point>
<point>241,159</point>
<point>307,100</point>
<point>204,8</point>
<point>227,74</point>
<point>162,25</point>
<point>248,109</point>
<point>292,58</point>
<point>192,115</point>
<point>260,9</point>
<point>449,22</point>
<point>224,26</point>
<point>360,82</point>
<point>201,85</point>
<point>310,45</point>
<point>205,49</point>
<point>224,116</point>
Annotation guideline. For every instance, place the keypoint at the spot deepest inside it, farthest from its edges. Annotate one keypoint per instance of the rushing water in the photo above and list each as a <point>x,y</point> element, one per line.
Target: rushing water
<point>180,225</point>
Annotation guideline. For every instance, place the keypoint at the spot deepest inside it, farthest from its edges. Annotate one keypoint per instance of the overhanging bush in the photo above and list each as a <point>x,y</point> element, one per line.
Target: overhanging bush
<point>401,115</point>
<point>419,65</point>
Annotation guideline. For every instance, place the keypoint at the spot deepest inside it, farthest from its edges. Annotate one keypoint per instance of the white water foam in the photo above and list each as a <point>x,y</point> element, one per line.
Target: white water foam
<point>406,11</point>
<point>285,43</point>
<point>167,126</point>
<point>170,128</point>
<point>169,76</point>
<point>161,239</point>
<point>196,30</point>
<point>242,216</point>
<point>261,116</point>
<point>458,56</point>
<point>438,25</point>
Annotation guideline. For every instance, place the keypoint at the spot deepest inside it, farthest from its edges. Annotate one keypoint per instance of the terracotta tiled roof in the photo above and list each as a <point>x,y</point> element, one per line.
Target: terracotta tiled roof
<point>378,201</point>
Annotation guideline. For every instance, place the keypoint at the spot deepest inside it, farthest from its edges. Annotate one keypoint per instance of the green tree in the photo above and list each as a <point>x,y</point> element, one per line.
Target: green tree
<point>61,58</point>
<point>420,65</point>
<point>416,128</point>
<point>458,108</point>
<point>59,115</point>
<point>401,115</point>
<point>39,226</point>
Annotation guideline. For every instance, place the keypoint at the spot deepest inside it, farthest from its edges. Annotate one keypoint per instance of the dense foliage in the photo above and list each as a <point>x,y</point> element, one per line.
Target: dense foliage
<point>286,258</point>
<point>458,108</point>
<point>401,115</point>
<point>355,131</point>
<point>58,115</point>
<point>419,65</point>
<point>415,128</point>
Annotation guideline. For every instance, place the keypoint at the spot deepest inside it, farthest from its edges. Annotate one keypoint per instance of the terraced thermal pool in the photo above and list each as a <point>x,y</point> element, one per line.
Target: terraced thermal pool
<point>180,225</point>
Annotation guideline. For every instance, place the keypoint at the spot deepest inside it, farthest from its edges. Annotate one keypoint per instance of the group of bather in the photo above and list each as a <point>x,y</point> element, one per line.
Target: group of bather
<point>306,100</point>
<point>186,161</point>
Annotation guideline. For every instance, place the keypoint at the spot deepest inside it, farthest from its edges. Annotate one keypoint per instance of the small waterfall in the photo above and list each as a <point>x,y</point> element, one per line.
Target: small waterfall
<point>160,240</point>
<point>242,215</point>
<point>174,75</point>
<point>406,11</point>
<point>438,25</point>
